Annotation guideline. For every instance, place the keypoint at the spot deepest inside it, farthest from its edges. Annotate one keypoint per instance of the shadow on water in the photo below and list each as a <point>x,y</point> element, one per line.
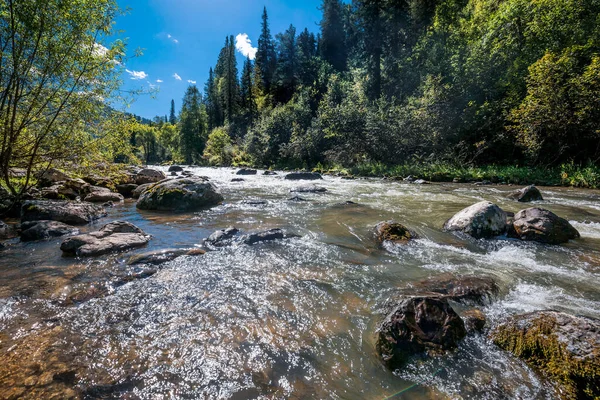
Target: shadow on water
<point>294,318</point>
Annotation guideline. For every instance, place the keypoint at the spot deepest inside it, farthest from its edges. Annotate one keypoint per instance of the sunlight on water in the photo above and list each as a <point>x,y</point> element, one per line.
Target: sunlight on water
<point>294,318</point>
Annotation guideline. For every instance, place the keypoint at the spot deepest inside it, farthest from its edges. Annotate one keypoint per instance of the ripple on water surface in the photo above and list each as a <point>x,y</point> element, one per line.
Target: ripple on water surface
<point>294,318</point>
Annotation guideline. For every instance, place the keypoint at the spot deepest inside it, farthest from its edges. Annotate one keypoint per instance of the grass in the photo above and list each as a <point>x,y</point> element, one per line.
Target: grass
<point>565,175</point>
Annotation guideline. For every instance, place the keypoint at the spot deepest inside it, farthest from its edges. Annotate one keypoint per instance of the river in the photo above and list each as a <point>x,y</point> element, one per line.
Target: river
<point>289,319</point>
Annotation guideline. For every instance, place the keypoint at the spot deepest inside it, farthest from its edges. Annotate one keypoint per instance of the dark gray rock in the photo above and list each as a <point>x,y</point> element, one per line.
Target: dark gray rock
<point>254,202</point>
<point>237,180</point>
<point>58,192</point>
<point>127,189</point>
<point>266,236</point>
<point>525,195</point>
<point>309,176</point>
<point>51,176</point>
<point>137,192</point>
<point>187,194</point>
<point>308,189</point>
<point>68,212</point>
<point>148,175</point>
<point>540,225</point>
<point>40,230</point>
<point>270,173</point>
<point>223,237</point>
<point>246,171</point>
<point>175,168</point>
<point>474,320</point>
<point>158,257</point>
<point>481,220</point>
<point>101,195</point>
<point>417,325</point>
<point>297,199</point>
<point>114,237</point>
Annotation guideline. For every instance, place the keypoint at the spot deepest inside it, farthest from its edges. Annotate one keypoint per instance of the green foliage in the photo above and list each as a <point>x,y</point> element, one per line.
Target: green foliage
<point>193,126</point>
<point>219,150</point>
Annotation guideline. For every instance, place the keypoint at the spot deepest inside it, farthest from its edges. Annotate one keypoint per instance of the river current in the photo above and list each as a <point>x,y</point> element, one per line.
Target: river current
<point>288,319</point>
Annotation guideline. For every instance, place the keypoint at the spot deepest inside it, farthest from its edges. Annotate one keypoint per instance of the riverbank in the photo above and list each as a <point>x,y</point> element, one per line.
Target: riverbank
<point>568,175</point>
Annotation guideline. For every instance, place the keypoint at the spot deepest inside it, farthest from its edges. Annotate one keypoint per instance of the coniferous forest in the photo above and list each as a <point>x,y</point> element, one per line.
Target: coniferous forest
<point>474,82</point>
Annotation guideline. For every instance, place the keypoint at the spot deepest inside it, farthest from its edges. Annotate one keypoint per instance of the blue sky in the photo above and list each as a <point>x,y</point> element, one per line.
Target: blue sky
<point>184,37</point>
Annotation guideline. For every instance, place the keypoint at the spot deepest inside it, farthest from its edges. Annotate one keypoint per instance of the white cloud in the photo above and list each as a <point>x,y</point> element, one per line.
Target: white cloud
<point>137,75</point>
<point>172,38</point>
<point>159,81</point>
<point>99,50</point>
<point>176,76</point>
<point>243,44</point>
<point>191,81</point>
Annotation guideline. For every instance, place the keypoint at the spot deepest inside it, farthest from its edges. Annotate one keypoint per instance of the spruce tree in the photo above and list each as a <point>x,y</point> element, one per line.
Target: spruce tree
<point>266,59</point>
<point>287,64</point>
<point>307,50</point>
<point>332,46</point>
<point>247,102</point>
<point>192,125</point>
<point>232,85</point>
<point>172,118</point>
<point>371,27</point>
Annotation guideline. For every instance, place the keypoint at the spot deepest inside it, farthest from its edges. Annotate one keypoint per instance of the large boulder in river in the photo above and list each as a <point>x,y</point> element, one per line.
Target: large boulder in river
<point>308,176</point>
<point>69,212</point>
<point>481,220</point>
<point>416,325</point>
<point>246,171</point>
<point>113,237</point>
<point>540,225</point>
<point>127,189</point>
<point>102,195</point>
<point>39,230</point>
<point>148,175</point>
<point>525,195</point>
<point>137,192</point>
<point>392,231</point>
<point>563,347</point>
<point>186,194</point>
<point>59,191</point>
<point>222,237</point>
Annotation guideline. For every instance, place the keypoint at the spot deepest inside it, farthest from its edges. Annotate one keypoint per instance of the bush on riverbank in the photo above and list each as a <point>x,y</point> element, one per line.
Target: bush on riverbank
<point>565,175</point>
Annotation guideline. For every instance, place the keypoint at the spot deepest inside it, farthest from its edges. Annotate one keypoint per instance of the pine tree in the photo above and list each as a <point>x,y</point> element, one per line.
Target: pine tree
<point>307,50</point>
<point>247,102</point>
<point>266,59</point>
<point>192,125</point>
<point>371,29</point>
<point>172,118</point>
<point>226,82</point>
<point>333,35</point>
<point>287,65</point>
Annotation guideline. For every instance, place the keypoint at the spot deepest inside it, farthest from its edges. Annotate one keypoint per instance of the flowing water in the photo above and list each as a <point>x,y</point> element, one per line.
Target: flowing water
<point>294,318</point>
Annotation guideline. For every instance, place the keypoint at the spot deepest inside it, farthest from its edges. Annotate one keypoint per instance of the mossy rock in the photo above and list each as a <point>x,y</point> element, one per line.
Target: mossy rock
<point>393,231</point>
<point>188,194</point>
<point>564,348</point>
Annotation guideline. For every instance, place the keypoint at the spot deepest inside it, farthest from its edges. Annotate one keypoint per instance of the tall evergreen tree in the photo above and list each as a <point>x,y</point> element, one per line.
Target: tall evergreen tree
<point>193,125</point>
<point>266,59</point>
<point>247,102</point>
<point>212,102</point>
<point>371,30</point>
<point>172,117</point>
<point>227,84</point>
<point>307,51</point>
<point>332,46</point>
<point>287,65</point>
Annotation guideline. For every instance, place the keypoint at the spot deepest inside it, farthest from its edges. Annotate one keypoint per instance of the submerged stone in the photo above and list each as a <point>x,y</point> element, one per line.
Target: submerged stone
<point>39,230</point>
<point>308,189</point>
<point>246,171</point>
